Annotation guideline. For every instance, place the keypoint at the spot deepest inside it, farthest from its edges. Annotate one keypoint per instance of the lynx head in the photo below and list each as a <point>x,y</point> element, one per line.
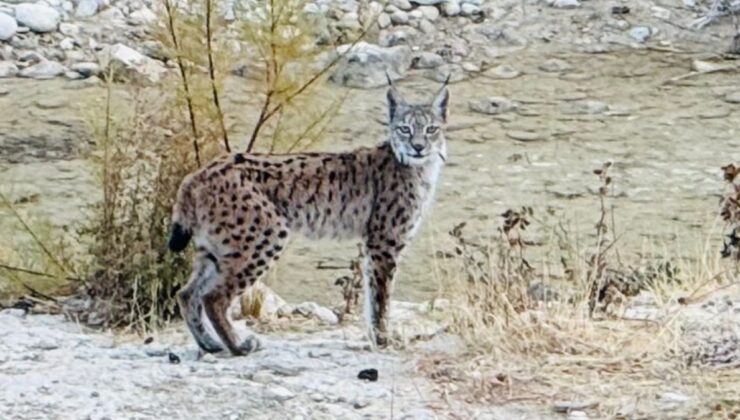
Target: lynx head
<point>416,130</point>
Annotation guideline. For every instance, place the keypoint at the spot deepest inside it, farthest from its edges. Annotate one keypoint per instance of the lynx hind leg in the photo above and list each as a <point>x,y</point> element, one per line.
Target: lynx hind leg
<point>248,259</point>
<point>190,299</point>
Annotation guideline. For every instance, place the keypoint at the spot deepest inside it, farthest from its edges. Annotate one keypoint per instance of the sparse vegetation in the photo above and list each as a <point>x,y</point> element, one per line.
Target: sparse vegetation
<point>532,337</point>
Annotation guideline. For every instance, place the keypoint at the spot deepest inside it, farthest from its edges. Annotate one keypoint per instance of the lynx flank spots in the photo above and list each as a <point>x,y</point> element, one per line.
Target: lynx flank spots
<point>242,208</point>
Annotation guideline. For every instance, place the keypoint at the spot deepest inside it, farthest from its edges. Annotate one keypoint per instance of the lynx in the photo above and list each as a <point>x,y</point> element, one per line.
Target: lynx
<point>242,208</point>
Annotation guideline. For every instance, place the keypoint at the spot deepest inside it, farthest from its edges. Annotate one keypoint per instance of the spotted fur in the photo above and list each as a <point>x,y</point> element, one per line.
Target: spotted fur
<point>242,208</point>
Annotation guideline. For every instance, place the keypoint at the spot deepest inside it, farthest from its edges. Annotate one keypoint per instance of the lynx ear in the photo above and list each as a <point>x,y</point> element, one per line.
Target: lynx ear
<point>394,99</point>
<point>439,105</point>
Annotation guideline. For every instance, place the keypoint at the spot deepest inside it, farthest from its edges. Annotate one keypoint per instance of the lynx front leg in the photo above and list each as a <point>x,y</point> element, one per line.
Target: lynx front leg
<point>380,269</point>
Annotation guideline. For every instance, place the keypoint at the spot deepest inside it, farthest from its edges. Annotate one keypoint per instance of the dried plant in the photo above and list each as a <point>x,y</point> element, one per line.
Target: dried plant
<point>730,213</point>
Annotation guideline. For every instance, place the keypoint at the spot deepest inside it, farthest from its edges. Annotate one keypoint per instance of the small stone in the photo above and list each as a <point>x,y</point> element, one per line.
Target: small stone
<point>136,64</point>
<point>565,4</point>
<point>278,393</point>
<point>468,9</point>
<point>402,4</point>
<point>208,358</point>
<point>555,65</point>
<point>67,44</point>
<point>86,69</point>
<point>525,136</point>
<point>8,27</point>
<point>4,91</point>
<point>492,105</point>
<point>733,97</point>
<point>427,60</point>
<point>589,107</point>
<point>640,33</point>
<point>454,72</point>
<point>503,71</point>
<point>470,67</point>
<point>400,18</point>
<point>660,13</point>
<point>8,69</point>
<point>142,16</point>
<point>451,8</point>
<point>86,8</point>
<point>37,17</point>
<point>69,29</point>
<point>384,20</point>
<point>416,14</point>
<point>360,403</point>
<point>51,103</point>
<point>427,27</point>
<point>430,13</point>
<point>45,69</point>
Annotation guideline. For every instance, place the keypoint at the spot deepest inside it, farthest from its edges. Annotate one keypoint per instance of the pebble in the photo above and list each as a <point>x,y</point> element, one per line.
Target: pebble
<point>50,103</point>
<point>279,393</point>
<point>587,106</point>
<point>4,91</point>
<point>468,9</point>
<point>565,4</point>
<point>640,33</point>
<point>429,12</point>
<point>8,27</point>
<point>427,60</point>
<point>400,17</point>
<point>427,27</point>
<point>451,8</point>
<point>86,69</point>
<point>733,97</point>
<point>525,136</point>
<point>8,69</point>
<point>45,69</point>
<point>555,65</point>
<point>87,8</point>
<point>384,20</point>
<point>37,17</point>
<point>503,71</point>
<point>402,4</point>
<point>492,105</point>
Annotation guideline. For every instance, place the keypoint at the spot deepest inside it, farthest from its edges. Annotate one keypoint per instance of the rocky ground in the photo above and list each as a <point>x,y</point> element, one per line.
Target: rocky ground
<point>51,368</point>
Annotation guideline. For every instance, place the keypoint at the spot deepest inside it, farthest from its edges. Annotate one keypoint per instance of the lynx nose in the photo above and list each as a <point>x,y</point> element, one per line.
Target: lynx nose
<point>417,147</point>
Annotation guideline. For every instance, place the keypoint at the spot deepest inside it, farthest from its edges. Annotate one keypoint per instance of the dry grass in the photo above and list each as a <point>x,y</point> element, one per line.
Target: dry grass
<point>666,348</point>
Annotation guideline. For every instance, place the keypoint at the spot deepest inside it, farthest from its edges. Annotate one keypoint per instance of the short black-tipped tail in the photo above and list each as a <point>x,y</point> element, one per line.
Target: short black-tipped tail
<point>179,237</point>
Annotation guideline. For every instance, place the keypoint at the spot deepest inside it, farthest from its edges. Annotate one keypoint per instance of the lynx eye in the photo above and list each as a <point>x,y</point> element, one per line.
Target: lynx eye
<point>432,129</point>
<point>404,129</point>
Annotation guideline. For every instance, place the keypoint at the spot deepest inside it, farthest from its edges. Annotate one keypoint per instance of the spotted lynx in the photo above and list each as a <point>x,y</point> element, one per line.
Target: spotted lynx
<point>242,208</point>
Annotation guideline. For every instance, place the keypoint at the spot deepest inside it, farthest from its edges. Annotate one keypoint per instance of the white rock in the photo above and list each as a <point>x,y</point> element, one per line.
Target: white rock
<point>492,105</point>
<point>8,27</point>
<point>143,16</point>
<point>660,13</point>
<point>67,44</point>
<point>427,27</point>
<point>400,18</point>
<point>468,9</point>
<point>86,69</point>
<point>112,13</point>
<point>416,14</point>
<point>733,97</point>
<point>45,69</point>
<point>278,393</point>
<point>427,60</point>
<point>384,20</point>
<point>402,4</point>
<point>87,8</point>
<point>429,12</point>
<point>69,29</point>
<point>136,64</point>
<point>565,4</point>
<point>451,8</point>
<point>640,33</point>
<point>37,17</point>
<point>470,67</point>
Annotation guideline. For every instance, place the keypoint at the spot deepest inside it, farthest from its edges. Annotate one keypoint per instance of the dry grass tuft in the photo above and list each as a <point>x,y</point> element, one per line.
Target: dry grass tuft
<point>664,342</point>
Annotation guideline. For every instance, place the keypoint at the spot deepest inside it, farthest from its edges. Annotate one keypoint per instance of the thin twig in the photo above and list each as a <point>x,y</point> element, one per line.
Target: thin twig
<point>212,76</point>
<point>183,77</point>
<point>36,239</point>
<point>37,273</point>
